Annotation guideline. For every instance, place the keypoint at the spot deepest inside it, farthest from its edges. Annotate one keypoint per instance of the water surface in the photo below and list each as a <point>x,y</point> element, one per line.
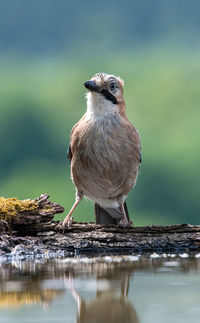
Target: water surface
<point>151,288</point>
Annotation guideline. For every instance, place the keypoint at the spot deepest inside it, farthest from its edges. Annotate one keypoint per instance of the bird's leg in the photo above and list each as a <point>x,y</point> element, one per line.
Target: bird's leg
<point>124,219</point>
<point>125,287</point>
<point>70,285</point>
<point>124,222</point>
<point>67,222</point>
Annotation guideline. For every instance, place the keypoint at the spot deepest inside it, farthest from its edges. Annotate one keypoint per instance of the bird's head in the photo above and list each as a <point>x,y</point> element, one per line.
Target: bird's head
<point>105,93</point>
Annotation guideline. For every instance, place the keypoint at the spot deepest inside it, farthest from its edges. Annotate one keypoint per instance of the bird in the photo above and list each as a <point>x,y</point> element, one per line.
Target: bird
<point>104,152</point>
<point>110,304</point>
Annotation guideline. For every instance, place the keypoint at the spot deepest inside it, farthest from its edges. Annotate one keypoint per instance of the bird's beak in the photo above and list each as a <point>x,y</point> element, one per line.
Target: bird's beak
<point>91,86</point>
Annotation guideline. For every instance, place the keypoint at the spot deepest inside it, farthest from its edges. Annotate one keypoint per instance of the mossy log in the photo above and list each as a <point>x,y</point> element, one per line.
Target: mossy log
<point>27,216</point>
<point>34,232</point>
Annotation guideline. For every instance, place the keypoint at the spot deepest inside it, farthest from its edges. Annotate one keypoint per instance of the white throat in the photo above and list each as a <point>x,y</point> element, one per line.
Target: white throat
<point>98,106</point>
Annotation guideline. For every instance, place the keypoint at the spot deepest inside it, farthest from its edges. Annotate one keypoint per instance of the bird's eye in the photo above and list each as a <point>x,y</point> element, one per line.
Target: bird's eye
<point>113,87</point>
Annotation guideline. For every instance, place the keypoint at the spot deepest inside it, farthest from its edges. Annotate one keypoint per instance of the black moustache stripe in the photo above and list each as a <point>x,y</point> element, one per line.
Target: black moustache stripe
<point>109,96</point>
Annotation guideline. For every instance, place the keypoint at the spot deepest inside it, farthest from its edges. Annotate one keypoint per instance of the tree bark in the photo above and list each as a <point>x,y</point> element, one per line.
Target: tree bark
<point>30,222</point>
<point>37,233</point>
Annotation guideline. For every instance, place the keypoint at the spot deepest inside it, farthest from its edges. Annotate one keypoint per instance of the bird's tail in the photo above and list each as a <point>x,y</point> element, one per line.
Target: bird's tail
<point>109,215</point>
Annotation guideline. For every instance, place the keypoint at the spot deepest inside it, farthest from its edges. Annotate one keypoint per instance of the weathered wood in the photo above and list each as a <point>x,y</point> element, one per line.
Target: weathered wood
<point>37,233</point>
<point>3,226</point>
<point>98,239</point>
<point>31,221</point>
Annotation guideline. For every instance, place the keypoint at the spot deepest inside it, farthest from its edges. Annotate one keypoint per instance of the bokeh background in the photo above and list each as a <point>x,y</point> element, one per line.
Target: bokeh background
<point>49,48</point>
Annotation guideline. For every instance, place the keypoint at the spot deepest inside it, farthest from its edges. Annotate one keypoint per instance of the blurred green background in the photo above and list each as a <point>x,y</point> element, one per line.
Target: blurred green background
<point>49,48</point>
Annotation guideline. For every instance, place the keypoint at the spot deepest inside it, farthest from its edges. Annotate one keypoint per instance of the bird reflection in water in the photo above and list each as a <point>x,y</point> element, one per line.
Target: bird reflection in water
<point>41,284</point>
<point>110,305</point>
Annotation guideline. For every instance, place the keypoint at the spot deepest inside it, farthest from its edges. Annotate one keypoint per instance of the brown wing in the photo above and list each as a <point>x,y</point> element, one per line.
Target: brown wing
<point>72,141</point>
<point>69,152</point>
<point>134,136</point>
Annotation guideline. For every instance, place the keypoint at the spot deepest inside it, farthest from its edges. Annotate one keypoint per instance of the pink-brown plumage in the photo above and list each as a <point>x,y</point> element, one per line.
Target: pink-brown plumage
<point>104,147</point>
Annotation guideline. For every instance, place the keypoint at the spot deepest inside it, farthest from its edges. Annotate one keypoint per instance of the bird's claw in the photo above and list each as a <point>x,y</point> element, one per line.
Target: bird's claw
<point>68,221</point>
<point>125,224</point>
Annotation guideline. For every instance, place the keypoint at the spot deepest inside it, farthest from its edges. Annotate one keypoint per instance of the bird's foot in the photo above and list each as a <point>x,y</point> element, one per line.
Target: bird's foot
<point>67,222</point>
<point>125,224</point>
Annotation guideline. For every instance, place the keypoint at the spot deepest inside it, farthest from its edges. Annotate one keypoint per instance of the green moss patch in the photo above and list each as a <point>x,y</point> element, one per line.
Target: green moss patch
<point>12,207</point>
